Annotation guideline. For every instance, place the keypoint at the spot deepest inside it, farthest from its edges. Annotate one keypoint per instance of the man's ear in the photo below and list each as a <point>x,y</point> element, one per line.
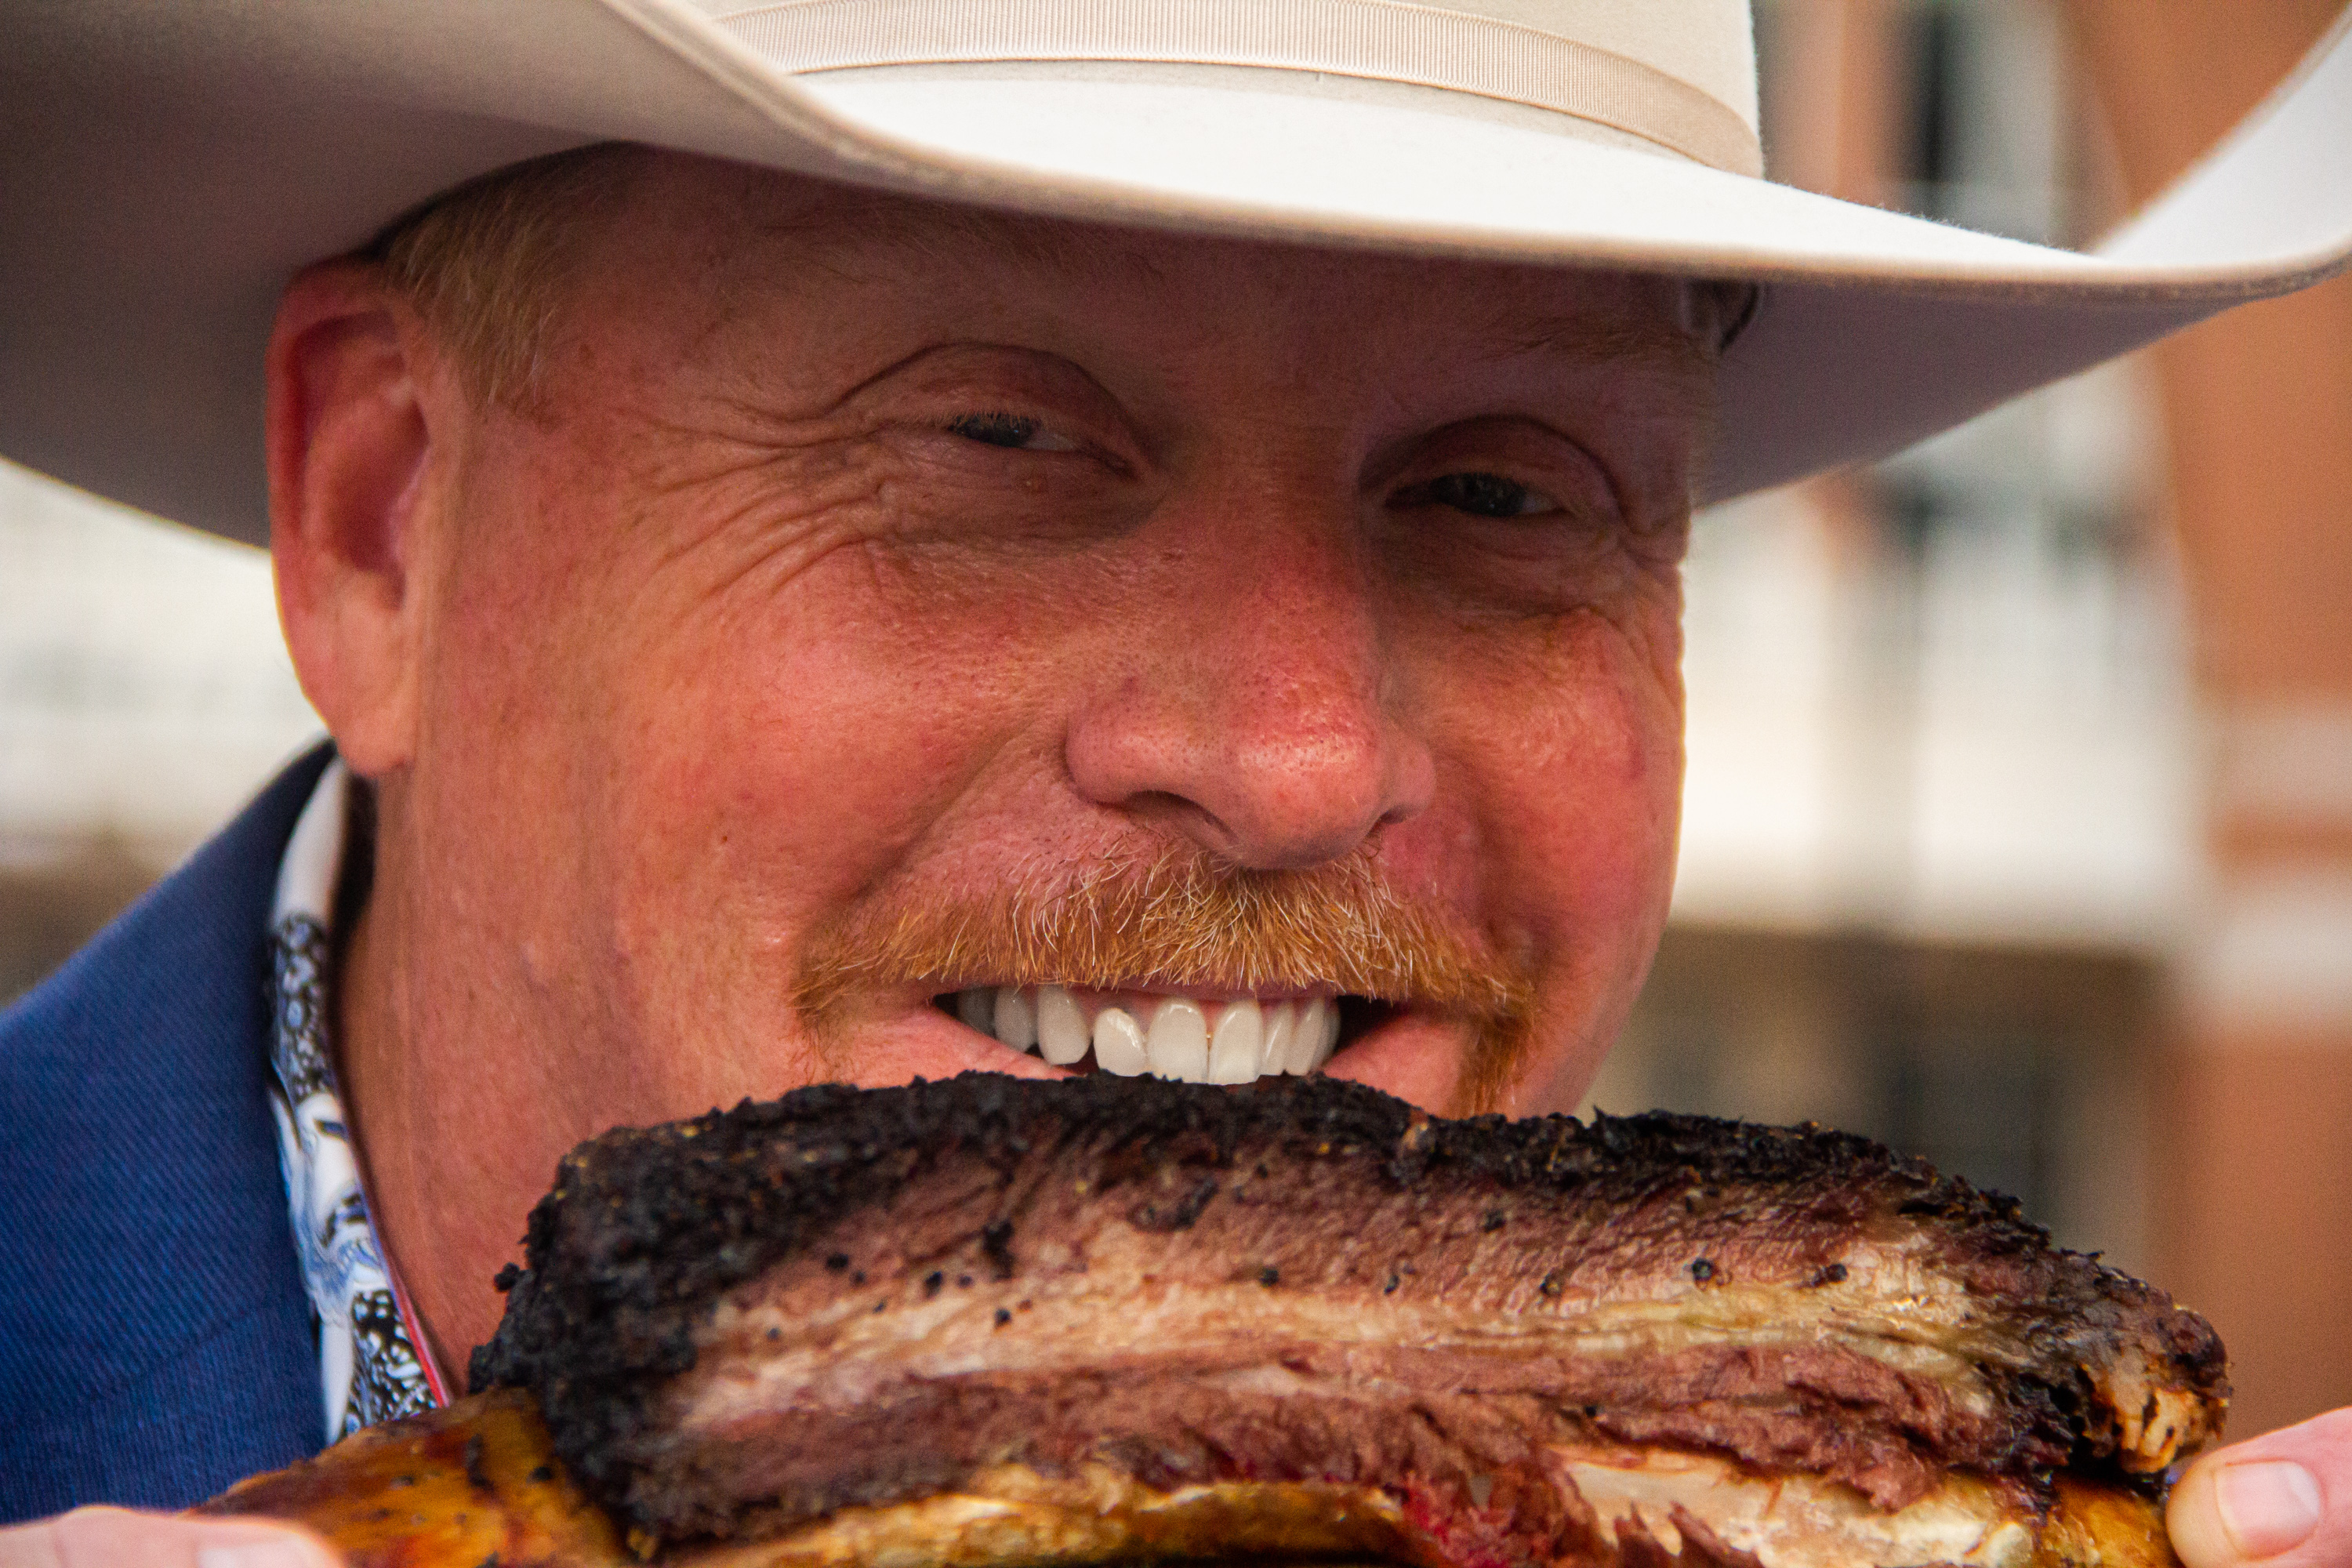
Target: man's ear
<point>350,452</point>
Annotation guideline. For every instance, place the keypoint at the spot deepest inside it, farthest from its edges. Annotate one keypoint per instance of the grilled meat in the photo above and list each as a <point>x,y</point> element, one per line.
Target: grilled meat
<point>996,1321</point>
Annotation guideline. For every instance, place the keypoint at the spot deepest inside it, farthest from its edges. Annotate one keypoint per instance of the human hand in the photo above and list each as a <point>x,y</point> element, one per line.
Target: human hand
<point>117,1538</point>
<point>2282,1500</point>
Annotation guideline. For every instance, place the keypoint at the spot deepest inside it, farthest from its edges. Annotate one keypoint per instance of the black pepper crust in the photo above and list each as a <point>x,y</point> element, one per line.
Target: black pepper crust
<point>646,1228</point>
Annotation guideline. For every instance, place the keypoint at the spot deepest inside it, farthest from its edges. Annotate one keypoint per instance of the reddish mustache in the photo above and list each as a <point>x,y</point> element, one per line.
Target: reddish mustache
<point>1175,918</point>
<point>1178,918</point>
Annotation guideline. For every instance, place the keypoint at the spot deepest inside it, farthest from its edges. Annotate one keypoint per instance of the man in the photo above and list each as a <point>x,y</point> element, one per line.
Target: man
<point>910,535</point>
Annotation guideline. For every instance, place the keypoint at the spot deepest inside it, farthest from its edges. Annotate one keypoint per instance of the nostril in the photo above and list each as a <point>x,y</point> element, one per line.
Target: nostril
<point>1186,820</point>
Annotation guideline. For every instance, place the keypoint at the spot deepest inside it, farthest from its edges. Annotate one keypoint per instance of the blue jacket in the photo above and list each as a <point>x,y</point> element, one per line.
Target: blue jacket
<point>155,1340</point>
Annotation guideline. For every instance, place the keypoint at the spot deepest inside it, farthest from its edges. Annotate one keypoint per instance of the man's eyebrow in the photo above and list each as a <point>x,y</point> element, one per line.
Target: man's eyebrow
<point>1674,363</point>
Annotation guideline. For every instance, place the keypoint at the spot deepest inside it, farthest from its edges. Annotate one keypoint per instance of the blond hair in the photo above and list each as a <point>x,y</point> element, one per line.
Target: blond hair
<point>486,264</point>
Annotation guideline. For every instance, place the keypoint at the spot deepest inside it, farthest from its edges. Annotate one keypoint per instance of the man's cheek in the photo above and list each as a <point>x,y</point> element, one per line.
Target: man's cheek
<point>769,776</point>
<point>1581,774</point>
<point>1577,736</point>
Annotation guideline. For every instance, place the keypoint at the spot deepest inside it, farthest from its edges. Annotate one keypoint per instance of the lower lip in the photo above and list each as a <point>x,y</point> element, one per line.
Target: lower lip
<point>926,1043</point>
<point>1412,1056</point>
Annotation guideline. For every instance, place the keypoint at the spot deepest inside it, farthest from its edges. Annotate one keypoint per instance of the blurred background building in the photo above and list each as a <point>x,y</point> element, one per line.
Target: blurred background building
<point>2019,824</point>
<point>144,692</point>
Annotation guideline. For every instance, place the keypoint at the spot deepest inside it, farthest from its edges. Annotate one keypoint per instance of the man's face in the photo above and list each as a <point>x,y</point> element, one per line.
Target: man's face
<point>878,601</point>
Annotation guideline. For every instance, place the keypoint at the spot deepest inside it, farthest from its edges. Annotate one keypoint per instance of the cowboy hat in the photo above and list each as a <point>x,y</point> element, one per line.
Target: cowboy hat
<point>165,167</point>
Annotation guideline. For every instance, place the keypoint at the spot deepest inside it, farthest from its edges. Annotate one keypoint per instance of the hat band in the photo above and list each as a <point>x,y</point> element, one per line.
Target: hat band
<point>1381,40</point>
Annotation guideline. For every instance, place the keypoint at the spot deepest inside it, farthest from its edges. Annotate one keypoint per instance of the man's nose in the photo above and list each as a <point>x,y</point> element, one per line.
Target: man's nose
<point>1256,711</point>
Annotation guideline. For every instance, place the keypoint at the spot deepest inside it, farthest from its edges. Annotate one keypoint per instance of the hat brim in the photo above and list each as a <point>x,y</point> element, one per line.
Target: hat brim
<point>164,169</point>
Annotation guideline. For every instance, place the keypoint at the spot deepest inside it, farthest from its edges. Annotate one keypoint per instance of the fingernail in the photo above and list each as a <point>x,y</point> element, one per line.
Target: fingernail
<point>263,1551</point>
<point>2267,1508</point>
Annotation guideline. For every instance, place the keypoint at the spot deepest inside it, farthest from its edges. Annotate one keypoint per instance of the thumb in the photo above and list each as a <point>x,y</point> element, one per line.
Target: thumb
<point>2282,1500</point>
<point>117,1538</point>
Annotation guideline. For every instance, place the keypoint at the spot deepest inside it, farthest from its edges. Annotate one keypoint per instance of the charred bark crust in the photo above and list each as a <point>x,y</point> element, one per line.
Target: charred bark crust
<point>646,1229</point>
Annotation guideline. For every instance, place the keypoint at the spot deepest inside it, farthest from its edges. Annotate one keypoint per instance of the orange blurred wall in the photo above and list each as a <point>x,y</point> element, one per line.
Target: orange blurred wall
<point>2253,1111</point>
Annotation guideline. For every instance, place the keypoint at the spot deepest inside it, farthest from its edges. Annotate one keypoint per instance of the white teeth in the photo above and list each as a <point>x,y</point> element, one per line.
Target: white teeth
<point>1016,1021</point>
<point>1236,1044</point>
<point>1327,1033</point>
<point>1310,1042</point>
<point>1178,1044</point>
<point>1061,1027</point>
<point>1246,1040</point>
<point>1283,1046</point>
<point>1118,1042</point>
<point>1281,1029</point>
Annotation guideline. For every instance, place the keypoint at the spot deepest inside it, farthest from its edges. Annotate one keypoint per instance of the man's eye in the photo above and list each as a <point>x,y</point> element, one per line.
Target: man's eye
<point>1488,495</point>
<point>1017,431</point>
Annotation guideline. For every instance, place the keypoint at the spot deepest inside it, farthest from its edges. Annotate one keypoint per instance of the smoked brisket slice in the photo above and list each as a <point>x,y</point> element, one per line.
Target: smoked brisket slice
<point>1519,1341</point>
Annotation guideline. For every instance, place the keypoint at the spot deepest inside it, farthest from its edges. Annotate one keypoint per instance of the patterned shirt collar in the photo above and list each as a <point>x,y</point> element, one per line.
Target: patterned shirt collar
<point>368,1367</point>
